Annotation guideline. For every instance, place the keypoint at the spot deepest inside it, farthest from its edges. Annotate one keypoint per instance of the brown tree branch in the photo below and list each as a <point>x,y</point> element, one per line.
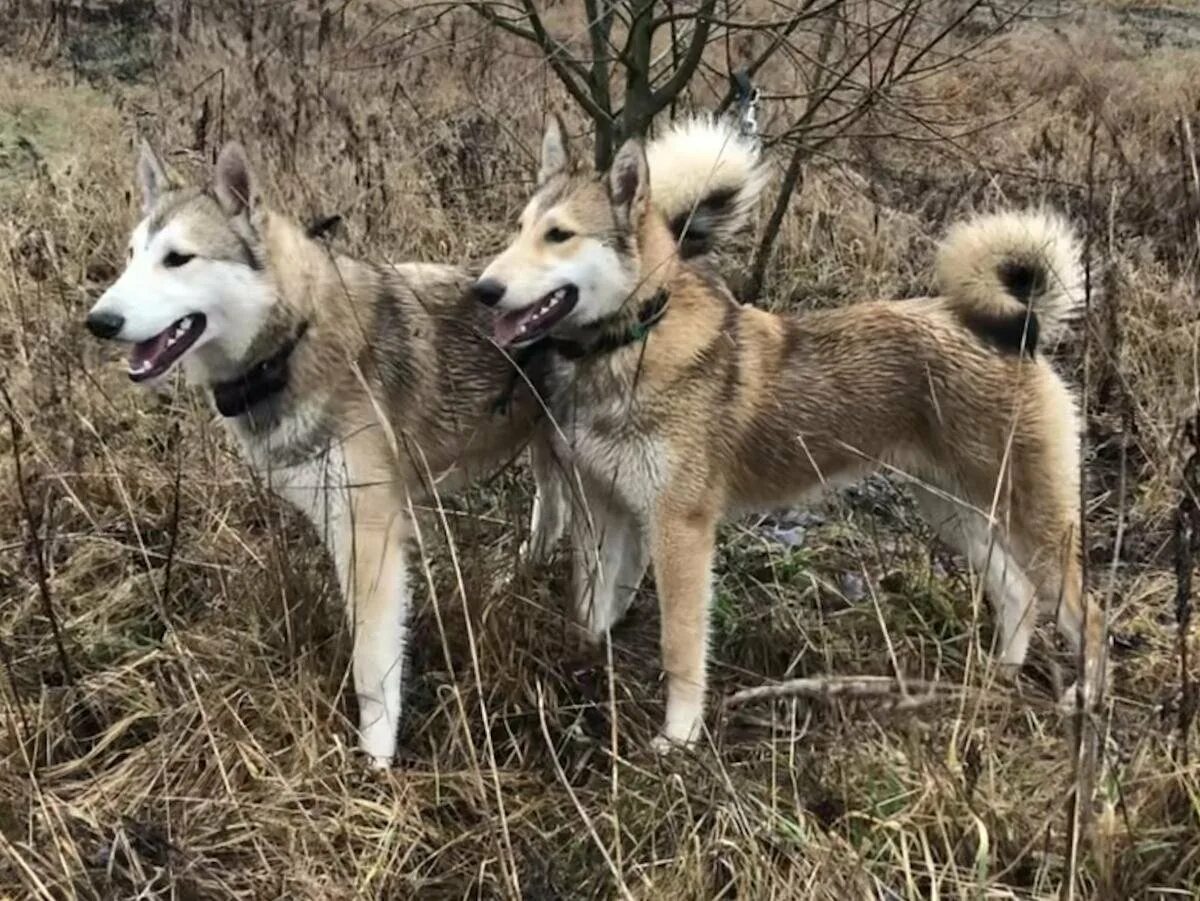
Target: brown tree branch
<point>569,70</point>
<point>600,22</point>
<point>805,13</point>
<point>691,59</point>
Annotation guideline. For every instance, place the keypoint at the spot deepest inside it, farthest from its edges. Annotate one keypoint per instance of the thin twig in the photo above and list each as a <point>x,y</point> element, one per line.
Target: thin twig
<point>1187,537</point>
<point>1187,148</point>
<point>783,199</point>
<point>1084,735</point>
<point>35,543</point>
<point>168,568</point>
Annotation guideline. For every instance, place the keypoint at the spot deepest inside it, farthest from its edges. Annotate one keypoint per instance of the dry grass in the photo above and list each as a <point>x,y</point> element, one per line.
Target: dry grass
<point>191,740</point>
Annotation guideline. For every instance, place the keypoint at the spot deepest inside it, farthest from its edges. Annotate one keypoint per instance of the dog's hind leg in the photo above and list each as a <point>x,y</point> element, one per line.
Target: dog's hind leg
<point>1046,536</point>
<point>1044,524</point>
<point>1012,595</point>
<point>1036,500</point>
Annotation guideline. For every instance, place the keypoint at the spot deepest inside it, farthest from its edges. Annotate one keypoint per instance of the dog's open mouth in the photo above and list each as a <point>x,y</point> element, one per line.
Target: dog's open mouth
<point>531,323</point>
<point>155,356</point>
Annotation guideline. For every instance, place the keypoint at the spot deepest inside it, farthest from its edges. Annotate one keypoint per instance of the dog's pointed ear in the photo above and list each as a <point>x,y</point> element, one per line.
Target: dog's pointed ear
<point>234,181</point>
<point>152,176</point>
<point>556,152</point>
<point>629,180</point>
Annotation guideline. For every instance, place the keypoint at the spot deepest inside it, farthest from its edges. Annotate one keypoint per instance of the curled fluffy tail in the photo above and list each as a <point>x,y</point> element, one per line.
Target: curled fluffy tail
<point>705,178</point>
<point>1015,278</point>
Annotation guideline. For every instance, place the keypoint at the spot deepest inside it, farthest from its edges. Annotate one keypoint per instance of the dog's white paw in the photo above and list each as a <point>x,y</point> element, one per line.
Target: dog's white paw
<point>676,736</point>
<point>377,744</point>
<point>1007,673</point>
<point>378,764</point>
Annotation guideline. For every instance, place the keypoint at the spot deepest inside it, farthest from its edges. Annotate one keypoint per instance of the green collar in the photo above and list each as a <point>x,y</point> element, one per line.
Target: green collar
<point>651,311</point>
<point>649,315</point>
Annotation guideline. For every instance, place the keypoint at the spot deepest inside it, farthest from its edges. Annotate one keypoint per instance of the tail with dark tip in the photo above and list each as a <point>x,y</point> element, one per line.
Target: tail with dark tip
<point>706,177</point>
<point>1015,278</point>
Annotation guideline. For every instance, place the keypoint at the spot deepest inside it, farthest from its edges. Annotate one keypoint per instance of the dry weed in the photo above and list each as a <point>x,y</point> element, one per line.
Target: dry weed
<point>191,738</point>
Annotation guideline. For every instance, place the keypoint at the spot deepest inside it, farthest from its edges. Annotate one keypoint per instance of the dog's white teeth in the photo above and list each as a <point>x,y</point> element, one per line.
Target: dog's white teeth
<point>180,330</point>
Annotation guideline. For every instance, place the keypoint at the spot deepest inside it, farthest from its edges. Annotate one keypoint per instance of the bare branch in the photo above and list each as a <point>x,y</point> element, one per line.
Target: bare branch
<point>600,22</point>
<point>682,75</point>
<point>568,69</point>
<point>806,12</point>
<point>731,24</point>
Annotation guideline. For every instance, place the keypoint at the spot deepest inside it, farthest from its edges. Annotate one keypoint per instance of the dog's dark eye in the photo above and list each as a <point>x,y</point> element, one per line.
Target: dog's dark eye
<point>174,259</point>
<point>559,235</point>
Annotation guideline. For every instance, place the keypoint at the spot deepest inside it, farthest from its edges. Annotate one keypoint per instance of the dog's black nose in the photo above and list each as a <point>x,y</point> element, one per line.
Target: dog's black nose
<point>105,325</point>
<point>488,291</point>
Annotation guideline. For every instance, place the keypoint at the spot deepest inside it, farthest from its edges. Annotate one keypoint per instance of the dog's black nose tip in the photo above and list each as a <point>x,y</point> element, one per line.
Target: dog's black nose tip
<point>488,291</point>
<point>105,325</point>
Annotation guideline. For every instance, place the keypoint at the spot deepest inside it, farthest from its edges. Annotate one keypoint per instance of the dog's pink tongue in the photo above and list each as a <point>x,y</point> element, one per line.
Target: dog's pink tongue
<point>506,328</point>
<point>146,354</point>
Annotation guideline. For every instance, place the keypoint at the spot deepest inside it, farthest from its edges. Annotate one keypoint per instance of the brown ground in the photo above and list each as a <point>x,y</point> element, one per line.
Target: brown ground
<point>191,739</point>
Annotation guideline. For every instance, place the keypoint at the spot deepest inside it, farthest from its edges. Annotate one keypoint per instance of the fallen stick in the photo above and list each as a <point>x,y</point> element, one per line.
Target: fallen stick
<point>902,695</point>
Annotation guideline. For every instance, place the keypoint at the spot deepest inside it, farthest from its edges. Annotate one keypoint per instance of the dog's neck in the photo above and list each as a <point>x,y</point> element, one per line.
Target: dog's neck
<point>263,380</point>
<point>264,373</point>
<point>631,325</point>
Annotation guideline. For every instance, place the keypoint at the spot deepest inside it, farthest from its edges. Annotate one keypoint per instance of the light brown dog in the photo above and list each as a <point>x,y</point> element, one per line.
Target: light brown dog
<point>676,406</point>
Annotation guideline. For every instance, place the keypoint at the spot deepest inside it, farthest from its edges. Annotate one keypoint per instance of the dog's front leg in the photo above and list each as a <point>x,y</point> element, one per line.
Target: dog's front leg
<point>377,606</point>
<point>550,509</point>
<point>609,557</point>
<point>682,549</point>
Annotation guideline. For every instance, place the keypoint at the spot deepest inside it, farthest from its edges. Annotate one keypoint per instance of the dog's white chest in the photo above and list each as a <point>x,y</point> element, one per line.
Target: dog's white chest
<point>611,450</point>
<point>317,486</point>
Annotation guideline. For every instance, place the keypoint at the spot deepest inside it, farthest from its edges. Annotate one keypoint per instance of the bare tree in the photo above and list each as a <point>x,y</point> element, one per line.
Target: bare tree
<point>855,61</point>
<point>649,86</point>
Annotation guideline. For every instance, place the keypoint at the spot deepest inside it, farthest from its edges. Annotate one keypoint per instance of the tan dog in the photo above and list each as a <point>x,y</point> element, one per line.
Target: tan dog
<point>676,406</point>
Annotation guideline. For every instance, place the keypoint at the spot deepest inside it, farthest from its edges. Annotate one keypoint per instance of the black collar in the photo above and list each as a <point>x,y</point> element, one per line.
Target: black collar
<point>262,380</point>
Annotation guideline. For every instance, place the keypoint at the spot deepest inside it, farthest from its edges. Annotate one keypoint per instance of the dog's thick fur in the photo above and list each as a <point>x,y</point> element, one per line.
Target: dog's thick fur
<point>390,392</point>
<point>718,408</point>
